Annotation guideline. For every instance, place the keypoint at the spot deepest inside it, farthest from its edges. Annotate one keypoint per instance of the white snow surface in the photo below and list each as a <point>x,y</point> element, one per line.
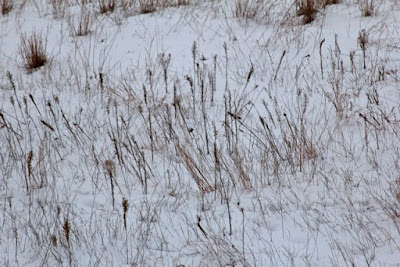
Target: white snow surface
<point>234,141</point>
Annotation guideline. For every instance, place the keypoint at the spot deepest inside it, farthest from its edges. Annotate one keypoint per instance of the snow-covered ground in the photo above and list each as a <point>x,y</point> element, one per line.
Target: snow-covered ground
<point>203,133</point>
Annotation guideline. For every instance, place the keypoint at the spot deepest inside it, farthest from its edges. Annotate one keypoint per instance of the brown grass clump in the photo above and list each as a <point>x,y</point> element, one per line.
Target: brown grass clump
<point>67,230</point>
<point>330,2</point>
<point>147,6</point>
<point>308,10</point>
<point>125,207</point>
<point>6,7</point>
<point>367,7</point>
<point>107,6</point>
<point>33,51</point>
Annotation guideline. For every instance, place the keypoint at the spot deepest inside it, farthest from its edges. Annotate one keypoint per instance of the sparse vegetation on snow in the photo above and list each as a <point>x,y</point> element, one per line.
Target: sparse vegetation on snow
<point>199,133</point>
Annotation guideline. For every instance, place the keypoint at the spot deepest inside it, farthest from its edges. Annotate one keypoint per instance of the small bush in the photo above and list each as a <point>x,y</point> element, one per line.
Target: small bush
<point>33,51</point>
<point>6,7</point>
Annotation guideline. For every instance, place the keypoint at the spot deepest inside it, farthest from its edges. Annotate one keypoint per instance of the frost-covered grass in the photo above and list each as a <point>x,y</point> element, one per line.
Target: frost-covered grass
<point>200,133</point>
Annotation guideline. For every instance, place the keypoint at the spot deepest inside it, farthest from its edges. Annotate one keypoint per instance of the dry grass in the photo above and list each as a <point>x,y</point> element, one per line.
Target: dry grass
<point>367,7</point>
<point>246,9</point>
<point>173,3</point>
<point>33,51</point>
<point>252,9</point>
<point>80,25</point>
<point>107,6</point>
<point>154,148</point>
<point>6,7</point>
<point>58,8</point>
<point>330,2</point>
<point>147,6</point>
<point>307,9</point>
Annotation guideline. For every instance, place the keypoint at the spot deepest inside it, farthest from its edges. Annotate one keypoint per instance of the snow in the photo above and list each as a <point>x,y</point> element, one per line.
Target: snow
<point>235,142</point>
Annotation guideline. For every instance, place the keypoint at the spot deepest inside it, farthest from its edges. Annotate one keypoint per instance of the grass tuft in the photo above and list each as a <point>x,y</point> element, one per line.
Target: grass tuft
<point>107,6</point>
<point>308,10</point>
<point>367,7</point>
<point>33,51</point>
<point>147,6</point>
<point>81,25</point>
<point>6,7</point>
